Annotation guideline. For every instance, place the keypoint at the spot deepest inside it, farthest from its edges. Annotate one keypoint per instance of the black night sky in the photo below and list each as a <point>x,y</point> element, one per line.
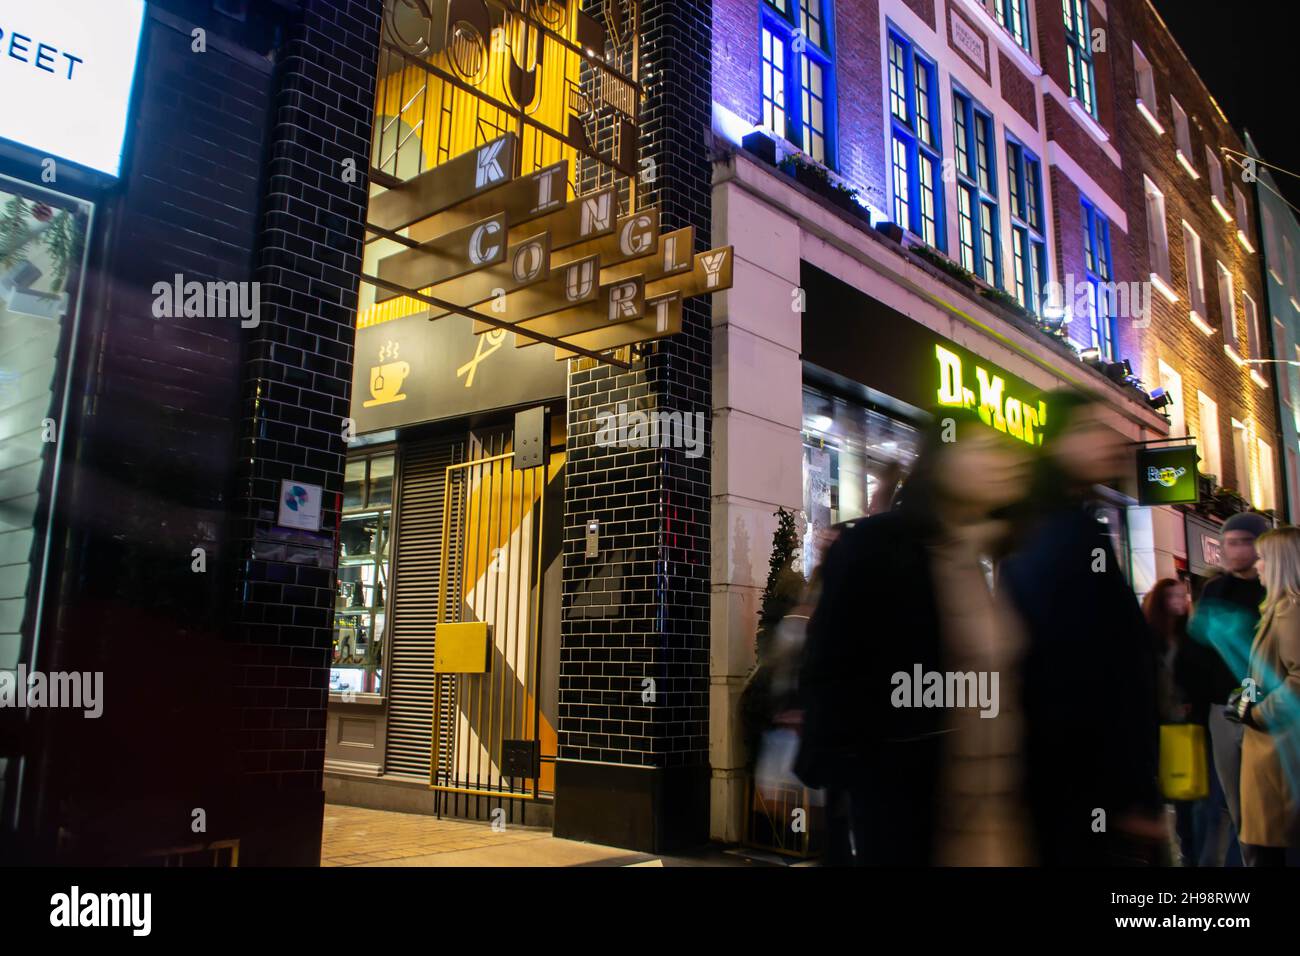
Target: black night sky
<point>1246,53</point>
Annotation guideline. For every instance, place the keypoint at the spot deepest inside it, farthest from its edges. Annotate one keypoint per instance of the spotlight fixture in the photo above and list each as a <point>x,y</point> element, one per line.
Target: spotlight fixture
<point>1118,372</point>
<point>1159,399</point>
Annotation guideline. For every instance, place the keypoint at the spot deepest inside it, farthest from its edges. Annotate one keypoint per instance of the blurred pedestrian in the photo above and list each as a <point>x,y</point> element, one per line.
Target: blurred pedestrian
<point>908,592</point>
<point>1184,696</point>
<point>1089,676</point>
<point>1270,711</point>
<point>1226,617</point>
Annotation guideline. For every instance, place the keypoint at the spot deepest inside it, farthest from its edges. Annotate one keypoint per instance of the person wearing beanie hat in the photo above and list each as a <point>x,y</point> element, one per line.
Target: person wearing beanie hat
<point>1225,621</point>
<point>1250,522</point>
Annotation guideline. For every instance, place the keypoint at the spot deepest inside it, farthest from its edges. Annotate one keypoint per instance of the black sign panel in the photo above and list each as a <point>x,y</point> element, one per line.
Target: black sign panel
<point>1167,476</point>
<point>411,370</point>
<point>858,338</point>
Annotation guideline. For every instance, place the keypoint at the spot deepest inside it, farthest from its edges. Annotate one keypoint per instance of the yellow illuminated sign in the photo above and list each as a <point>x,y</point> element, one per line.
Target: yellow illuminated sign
<point>1010,415</point>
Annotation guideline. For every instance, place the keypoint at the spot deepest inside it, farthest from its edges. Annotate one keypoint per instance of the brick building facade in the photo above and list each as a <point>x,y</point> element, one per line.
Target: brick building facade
<point>938,113</point>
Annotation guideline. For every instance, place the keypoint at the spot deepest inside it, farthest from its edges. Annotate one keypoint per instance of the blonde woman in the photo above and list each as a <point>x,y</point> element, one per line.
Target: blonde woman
<point>1270,751</point>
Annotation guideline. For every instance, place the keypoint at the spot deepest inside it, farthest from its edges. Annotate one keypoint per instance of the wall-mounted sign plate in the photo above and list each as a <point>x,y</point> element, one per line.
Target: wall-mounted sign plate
<point>300,505</point>
<point>462,648</point>
<point>1167,476</point>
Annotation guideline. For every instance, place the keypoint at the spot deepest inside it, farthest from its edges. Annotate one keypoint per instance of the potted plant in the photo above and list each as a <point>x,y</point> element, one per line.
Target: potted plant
<point>1228,502</point>
<point>943,263</point>
<point>1008,302</point>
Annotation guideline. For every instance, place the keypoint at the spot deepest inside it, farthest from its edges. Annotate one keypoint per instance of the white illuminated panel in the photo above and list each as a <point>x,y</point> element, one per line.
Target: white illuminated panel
<point>66,68</point>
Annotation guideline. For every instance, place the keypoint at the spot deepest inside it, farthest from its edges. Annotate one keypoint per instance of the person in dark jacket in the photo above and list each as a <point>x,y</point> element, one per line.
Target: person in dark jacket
<point>1226,617</point>
<point>885,611</point>
<point>1089,675</point>
<point>1184,696</point>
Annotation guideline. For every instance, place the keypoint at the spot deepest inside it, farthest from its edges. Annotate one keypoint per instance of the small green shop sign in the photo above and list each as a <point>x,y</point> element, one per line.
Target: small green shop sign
<point>1167,476</point>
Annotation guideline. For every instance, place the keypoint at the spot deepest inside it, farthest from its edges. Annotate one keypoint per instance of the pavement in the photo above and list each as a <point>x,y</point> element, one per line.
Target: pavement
<point>359,837</point>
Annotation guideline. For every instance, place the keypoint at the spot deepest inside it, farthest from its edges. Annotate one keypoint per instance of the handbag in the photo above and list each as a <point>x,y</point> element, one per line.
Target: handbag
<point>1184,767</point>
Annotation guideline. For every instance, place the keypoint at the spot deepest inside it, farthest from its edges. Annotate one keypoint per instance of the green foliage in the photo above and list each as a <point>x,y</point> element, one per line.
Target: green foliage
<point>785,581</point>
<point>13,230</point>
<point>63,240</point>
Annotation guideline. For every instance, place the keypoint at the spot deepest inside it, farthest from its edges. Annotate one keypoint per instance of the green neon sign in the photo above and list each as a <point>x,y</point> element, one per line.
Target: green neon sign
<point>1010,415</point>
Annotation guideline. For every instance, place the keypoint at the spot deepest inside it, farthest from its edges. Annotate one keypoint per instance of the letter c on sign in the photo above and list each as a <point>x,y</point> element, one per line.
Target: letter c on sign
<point>477,254</point>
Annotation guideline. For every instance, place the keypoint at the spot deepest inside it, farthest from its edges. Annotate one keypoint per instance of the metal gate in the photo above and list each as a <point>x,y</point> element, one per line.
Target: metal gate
<point>486,740</point>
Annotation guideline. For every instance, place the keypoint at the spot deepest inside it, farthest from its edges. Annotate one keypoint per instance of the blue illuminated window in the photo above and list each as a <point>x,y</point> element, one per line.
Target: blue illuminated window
<point>1028,248</point>
<point>1078,54</point>
<point>1014,16</point>
<point>916,149</point>
<point>977,189</point>
<point>1097,263</point>
<point>798,79</point>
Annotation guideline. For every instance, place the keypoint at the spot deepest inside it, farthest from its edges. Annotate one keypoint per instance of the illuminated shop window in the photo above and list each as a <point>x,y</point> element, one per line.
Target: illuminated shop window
<point>365,548</point>
<point>977,190</point>
<point>1078,54</point>
<point>916,148</point>
<point>853,459</point>
<point>797,65</point>
<point>1028,247</point>
<point>43,252</point>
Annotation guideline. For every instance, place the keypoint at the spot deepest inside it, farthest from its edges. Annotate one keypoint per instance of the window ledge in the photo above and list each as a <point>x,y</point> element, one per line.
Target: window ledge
<point>1277,278</point>
<point>1224,213</point>
<point>1200,323</point>
<point>1089,121</point>
<point>1187,164</point>
<point>1294,304</point>
<point>1150,117</point>
<point>1245,241</point>
<point>1164,288</point>
<point>1258,379</point>
<point>365,700</point>
<point>1232,354</point>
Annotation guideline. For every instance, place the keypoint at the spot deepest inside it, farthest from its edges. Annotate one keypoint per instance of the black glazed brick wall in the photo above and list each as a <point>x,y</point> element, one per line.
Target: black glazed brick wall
<point>297,377</point>
<point>641,610</point>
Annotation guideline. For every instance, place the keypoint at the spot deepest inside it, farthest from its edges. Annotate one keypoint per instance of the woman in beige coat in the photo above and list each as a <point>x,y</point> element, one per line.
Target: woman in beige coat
<point>1270,752</point>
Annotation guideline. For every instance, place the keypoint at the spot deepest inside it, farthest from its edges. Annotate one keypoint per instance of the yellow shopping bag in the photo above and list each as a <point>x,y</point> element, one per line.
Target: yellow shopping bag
<point>1184,774</point>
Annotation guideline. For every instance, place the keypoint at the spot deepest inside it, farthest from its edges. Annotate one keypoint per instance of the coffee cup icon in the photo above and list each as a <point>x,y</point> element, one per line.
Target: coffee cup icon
<point>386,383</point>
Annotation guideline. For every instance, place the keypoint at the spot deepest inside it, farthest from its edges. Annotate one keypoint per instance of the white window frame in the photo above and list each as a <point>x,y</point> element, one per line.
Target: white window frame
<point>1195,268</point>
<point>1147,103</point>
<point>1243,218</point>
<point>1209,439</point>
<point>1266,495</point>
<point>1218,186</point>
<point>1272,255</point>
<point>1241,462</point>
<point>1158,241</point>
<point>1183,138</point>
<point>1172,383</point>
<point>1254,337</point>
<point>1228,313</point>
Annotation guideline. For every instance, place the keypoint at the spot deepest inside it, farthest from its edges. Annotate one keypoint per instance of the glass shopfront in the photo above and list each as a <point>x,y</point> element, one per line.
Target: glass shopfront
<point>360,608</point>
<point>853,459</point>
<point>42,252</point>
